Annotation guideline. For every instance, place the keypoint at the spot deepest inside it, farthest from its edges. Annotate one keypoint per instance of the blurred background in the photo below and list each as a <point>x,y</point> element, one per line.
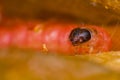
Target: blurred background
<point>18,65</point>
<point>88,11</point>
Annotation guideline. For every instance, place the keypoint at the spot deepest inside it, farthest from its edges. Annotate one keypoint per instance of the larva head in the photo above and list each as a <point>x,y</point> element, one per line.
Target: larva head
<point>79,36</point>
<point>90,39</point>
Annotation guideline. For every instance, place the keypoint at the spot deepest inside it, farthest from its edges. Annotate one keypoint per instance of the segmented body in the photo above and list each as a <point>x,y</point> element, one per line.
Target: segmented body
<point>53,37</point>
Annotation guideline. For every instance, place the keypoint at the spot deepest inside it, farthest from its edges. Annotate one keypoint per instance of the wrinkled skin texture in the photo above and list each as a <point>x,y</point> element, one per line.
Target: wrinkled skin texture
<point>51,36</point>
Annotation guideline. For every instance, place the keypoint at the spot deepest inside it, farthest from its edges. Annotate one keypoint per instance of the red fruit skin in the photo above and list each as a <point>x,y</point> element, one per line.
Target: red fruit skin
<point>53,37</point>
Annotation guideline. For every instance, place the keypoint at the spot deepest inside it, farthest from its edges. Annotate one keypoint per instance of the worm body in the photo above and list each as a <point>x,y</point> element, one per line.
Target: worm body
<point>54,37</point>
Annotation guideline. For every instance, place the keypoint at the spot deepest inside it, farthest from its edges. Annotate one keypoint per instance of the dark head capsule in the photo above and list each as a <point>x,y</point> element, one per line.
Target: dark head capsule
<point>78,36</point>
